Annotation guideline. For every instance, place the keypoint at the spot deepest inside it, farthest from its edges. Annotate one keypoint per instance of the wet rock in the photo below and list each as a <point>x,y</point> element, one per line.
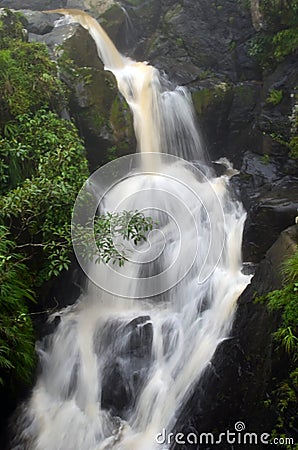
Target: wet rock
<point>101,114</point>
<point>131,358</point>
<point>38,22</point>
<point>56,37</point>
<point>249,358</point>
<point>201,34</point>
<point>269,196</point>
<point>273,113</point>
<point>98,7</point>
<point>269,214</point>
<point>225,113</point>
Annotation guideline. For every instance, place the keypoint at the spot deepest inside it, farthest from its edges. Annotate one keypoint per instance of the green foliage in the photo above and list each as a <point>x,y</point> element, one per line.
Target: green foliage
<point>284,401</point>
<point>128,225</point>
<point>285,43</point>
<point>275,97</point>
<point>293,145</point>
<point>279,37</point>
<point>16,331</point>
<point>283,398</point>
<point>111,233</point>
<point>28,80</point>
<point>266,159</point>
<point>121,123</point>
<point>112,153</point>
<point>285,300</point>
<point>11,27</point>
<point>43,168</point>
<point>205,97</point>
<point>290,141</point>
<point>261,48</point>
<point>290,268</point>
<point>288,340</point>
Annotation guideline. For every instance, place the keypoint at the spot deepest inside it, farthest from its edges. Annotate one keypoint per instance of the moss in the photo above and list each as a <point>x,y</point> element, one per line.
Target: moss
<point>155,42</point>
<point>206,97</point>
<point>28,77</point>
<point>11,27</point>
<point>201,99</point>
<point>122,124</point>
<point>173,13</point>
<point>283,397</point>
<point>42,168</point>
<point>279,36</point>
<point>93,120</point>
<point>93,88</point>
<point>232,45</point>
<point>112,21</point>
<point>179,42</point>
<point>275,97</point>
<point>245,94</point>
<point>266,159</point>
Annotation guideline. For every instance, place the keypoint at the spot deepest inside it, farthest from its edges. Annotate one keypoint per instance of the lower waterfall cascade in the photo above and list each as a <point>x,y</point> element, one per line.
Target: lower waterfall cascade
<point>124,358</point>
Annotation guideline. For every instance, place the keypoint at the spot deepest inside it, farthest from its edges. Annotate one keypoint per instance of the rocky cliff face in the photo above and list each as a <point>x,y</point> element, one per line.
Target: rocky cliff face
<point>246,367</point>
<point>205,46</point>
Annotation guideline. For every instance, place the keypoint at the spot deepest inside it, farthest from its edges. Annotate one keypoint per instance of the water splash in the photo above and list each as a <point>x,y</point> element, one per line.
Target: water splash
<point>116,371</point>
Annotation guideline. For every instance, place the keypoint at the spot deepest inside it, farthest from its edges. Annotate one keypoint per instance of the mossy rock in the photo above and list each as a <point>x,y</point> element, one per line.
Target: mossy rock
<point>93,88</point>
<point>150,13</point>
<point>245,93</point>
<point>204,99</point>
<point>121,122</point>
<point>11,26</point>
<point>173,13</point>
<point>81,48</point>
<point>113,21</point>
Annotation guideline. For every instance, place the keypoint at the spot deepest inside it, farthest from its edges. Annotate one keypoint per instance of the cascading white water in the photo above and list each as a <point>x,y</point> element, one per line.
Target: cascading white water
<point>124,358</point>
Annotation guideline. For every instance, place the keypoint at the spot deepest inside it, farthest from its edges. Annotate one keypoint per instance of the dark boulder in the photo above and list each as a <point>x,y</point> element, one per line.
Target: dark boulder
<point>39,23</point>
<point>240,375</point>
<point>131,350</point>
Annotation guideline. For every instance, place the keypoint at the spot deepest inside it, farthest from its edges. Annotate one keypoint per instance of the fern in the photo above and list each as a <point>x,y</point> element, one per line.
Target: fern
<point>16,330</point>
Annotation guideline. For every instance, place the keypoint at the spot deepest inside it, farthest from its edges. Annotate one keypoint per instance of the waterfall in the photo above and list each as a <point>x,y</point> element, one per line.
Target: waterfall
<point>125,357</point>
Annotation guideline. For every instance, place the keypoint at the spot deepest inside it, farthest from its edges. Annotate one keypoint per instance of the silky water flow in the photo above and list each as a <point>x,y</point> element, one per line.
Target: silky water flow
<point>125,357</point>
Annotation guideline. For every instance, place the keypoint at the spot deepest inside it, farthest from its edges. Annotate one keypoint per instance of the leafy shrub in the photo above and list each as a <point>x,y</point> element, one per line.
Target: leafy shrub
<point>44,167</point>
<point>106,230</point>
<point>275,97</point>
<point>279,37</point>
<point>28,80</point>
<point>16,331</point>
<point>28,77</point>
<point>285,43</point>
<point>11,27</point>
<point>283,398</point>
